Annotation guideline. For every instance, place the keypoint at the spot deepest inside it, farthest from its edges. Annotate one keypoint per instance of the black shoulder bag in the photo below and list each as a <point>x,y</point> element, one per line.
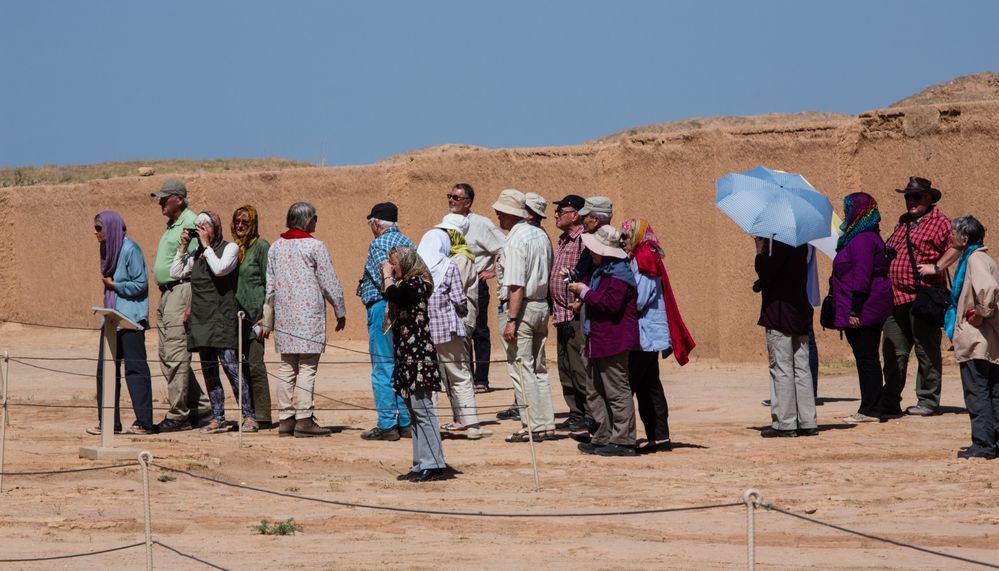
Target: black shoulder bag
<point>931,301</point>
<point>827,313</point>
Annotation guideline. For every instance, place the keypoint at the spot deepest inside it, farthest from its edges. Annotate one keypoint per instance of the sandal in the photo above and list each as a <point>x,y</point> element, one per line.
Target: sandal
<point>479,389</point>
<point>453,426</point>
<point>250,425</point>
<point>540,436</point>
<point>215,427</point>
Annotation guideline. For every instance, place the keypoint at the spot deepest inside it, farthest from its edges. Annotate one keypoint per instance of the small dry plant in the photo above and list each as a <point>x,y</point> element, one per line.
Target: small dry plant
<point>267,527</point>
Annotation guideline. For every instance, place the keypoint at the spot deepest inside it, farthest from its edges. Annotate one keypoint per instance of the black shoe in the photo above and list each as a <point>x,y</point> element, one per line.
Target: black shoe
<point>509,414</point>
<point>615,450</point>
<point>428,475</point>
<point>972,453</point>
<point>406,431</point>
<point>572,425</point>
<point>664,446</point>
<point>583,437</point>
<point>808,431</point>
<point>391,434</point>
<point>774,433</point>
<point>171,425</point>
<point>587,447</point>
<point>405,477</point>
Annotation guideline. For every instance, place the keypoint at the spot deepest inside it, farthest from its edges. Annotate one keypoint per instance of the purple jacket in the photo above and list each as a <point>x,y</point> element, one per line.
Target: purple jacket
<point>613,314</point>
<point>860,281</point>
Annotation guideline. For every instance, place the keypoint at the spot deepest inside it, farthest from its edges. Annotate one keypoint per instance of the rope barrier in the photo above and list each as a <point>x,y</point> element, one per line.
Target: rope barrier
<point>771,507</point>
<point>30,404</point>
<point>188,555</point>
<point>69,470</point>
<point>72,555</point>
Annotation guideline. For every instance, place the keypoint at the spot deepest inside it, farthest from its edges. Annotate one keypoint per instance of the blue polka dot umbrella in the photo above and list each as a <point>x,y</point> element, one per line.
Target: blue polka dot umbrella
<point>774,204</point>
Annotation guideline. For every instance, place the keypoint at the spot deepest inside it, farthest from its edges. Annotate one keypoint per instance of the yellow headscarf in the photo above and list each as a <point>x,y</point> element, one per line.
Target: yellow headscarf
<point>251,234</point>
<point>459,245</point>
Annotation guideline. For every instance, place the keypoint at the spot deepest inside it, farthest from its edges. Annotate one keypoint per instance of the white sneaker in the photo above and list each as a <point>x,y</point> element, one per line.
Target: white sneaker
<point>475,433</point>
<point>859,418</point>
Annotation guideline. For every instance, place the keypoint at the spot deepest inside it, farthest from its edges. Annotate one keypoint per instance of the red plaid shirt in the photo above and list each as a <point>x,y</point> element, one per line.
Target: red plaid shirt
<point>930,237</point>
<point>570,248</point>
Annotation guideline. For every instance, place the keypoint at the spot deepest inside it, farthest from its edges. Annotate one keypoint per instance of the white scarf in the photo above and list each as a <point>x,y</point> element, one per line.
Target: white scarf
<point>435,249</point>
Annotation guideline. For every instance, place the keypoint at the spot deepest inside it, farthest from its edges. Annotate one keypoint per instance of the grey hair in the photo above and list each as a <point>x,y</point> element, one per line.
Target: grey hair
<point>602,217</point>
<point>382,224</point>
<point>970,228</point>
<point>299,215</point>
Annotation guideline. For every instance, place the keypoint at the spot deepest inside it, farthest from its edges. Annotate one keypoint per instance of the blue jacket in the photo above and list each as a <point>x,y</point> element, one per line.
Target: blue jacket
<point>653,328</point>
<point>131,283</point>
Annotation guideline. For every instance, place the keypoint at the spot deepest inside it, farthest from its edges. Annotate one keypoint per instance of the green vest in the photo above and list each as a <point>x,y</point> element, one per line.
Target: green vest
<point>213,307</point>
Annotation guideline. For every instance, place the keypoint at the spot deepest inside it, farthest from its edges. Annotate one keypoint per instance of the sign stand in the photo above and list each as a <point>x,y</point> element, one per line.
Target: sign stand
<point>107,451</point>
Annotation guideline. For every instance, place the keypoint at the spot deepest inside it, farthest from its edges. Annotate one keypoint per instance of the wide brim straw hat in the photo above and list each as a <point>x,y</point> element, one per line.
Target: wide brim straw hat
<point>606,241</point>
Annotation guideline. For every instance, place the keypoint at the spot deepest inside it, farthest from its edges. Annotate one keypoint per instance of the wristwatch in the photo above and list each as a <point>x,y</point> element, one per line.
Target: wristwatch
<point>936,269</point>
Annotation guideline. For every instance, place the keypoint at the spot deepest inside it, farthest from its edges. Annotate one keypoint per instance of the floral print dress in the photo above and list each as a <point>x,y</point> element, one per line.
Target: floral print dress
<point>415,356</point>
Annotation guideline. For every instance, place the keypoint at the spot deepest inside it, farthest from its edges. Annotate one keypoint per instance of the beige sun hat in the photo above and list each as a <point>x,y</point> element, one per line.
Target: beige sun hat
<point>455,222</point>
<point>606,241</point>
<point>536,203</point>
<point>511,201</point>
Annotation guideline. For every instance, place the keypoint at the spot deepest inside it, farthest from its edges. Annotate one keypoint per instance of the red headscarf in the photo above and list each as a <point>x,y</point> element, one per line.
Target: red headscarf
<point>648,255</point>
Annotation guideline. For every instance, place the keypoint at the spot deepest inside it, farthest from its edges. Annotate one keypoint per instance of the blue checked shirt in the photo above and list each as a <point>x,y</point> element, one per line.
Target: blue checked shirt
<point>369,288</point>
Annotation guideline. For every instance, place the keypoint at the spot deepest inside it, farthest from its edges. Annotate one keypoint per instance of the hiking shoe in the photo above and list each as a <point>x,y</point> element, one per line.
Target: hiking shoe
<point>286,427</point>
<point>216,427</point>
<point>509,414</point>
<point>774,433</point>
<point>765,402</point>
<point>808,431</point>
<point>308,427</point>
<point>920,411</point>
<point>859,418</point>
<point>475,433</point>
<point>406,431</point>
<point>587,447</point>
<point>615,450</point>
<point>376,433</point>
<point>572,424</point>
<point>250,425</point>
<point>171,425</point>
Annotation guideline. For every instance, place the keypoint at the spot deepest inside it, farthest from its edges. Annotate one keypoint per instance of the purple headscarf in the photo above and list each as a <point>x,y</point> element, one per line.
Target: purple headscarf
<point>114,237</point>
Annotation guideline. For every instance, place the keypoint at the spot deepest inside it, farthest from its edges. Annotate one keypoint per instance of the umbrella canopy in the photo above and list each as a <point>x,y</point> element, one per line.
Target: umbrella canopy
<point>775,204</point>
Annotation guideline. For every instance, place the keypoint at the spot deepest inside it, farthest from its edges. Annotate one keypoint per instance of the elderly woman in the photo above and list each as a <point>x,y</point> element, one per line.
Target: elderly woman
<point>123,277</point>
<point>862,297</point>
<point>786,315</point>
<point>660,327</point>
<point>448,309</point>
<point>211,319</point>
<point>407,286</point>
<point>610,324</point>
<point>300,276</point>
<point>250,291</point>
<point>972,325</point>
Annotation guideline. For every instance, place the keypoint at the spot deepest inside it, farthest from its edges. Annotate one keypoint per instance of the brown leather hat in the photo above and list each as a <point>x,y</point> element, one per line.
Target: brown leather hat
<point>917,184</point>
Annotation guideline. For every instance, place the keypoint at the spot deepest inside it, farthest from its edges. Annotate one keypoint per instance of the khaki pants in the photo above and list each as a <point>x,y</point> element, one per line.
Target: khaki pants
<point>572,368</point>
<point>296,377</point>
<point>455,362</point>
<point>533,390</point>
<point>183,391</point>
<point>610,402</point>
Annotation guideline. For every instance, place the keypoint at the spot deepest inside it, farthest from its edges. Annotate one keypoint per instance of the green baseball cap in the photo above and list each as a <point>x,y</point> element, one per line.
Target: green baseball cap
<point>170,188</point>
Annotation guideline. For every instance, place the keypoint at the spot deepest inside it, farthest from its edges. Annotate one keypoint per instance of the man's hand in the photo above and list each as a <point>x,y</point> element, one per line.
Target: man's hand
<point>487,274</point>
<point>575,306</point>
<point>510,331</point>
<point>926,270</point>
<point>187,315</point>
<point>108,282</point>
<point>341,322</point>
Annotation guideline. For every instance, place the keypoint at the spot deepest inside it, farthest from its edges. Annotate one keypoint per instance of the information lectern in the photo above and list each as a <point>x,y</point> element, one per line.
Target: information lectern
<point>107,451</point>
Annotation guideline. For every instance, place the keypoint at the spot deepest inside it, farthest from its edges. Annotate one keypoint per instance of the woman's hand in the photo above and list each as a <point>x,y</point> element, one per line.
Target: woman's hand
<point>341,322</point>
<point>576,287</point>
<point>386,270</point>
<point>203,236</point>
<point>854,321</point>
<point>108,282</point>
<point>575,306</point>
<point>975,320</point>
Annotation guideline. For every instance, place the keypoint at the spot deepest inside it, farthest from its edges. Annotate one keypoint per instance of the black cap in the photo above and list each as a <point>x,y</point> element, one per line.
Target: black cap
<point>572,201</point>
<point>385,211</point>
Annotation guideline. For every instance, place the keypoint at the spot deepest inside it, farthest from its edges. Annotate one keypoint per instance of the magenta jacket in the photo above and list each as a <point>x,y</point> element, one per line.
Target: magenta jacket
<point>860,281</point>
<point>612,313</point>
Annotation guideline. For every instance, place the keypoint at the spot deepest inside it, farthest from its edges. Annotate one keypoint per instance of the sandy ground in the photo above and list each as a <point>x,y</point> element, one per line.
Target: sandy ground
<point>900,479</point>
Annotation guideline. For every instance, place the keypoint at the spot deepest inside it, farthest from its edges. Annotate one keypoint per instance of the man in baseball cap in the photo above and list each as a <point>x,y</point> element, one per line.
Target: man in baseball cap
<point>171,187</point>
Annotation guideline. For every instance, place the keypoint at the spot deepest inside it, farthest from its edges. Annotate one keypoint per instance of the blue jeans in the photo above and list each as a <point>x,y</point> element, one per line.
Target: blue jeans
<point>210,358</point>
<point>391,407</point>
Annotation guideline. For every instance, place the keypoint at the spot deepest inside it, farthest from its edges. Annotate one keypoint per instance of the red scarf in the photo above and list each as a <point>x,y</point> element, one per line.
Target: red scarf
<point>295,234</point>
<point>650,263</point>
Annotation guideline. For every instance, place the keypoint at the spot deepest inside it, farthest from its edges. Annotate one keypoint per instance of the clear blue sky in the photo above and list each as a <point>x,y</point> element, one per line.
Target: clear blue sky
<point>95,81</point>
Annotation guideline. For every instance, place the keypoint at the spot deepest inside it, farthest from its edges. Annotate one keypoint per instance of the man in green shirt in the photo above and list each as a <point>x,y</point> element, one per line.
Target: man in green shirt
<point>183,391</point>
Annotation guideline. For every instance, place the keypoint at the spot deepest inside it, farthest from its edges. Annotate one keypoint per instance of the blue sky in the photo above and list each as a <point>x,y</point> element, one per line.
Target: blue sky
<point>356,82</point>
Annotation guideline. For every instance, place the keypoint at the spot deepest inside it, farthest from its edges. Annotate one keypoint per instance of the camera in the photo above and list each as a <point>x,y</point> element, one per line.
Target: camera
<point>571,276</point>
<point>890,253</point>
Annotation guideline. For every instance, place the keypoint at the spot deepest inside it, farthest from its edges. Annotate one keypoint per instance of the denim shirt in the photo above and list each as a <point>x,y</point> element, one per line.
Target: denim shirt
<point>653,328</point>
<point>131,283</point>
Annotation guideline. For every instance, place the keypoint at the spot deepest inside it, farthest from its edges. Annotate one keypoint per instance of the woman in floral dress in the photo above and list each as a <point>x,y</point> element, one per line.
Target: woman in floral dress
<point>407,285</point>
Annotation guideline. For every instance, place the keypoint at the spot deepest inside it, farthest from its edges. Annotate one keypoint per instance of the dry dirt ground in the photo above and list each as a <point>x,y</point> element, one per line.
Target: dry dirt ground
<point>898,479</point>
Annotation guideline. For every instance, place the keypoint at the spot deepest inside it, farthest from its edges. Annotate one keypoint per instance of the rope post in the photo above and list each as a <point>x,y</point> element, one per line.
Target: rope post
<point>752,498</point>
<point>6,418</point>
<point>530,427</point>
<point>145,460</point>
<point>239,377</point>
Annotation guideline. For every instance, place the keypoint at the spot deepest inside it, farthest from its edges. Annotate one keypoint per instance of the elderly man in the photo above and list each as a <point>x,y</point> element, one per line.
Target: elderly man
<point>485,241</point>
<point>183,391</point>
<point>596,212</point>
<point>393,417</point>
<point>572,366</point>
<point>924,233</point>
<point>523,270</point>
<point>536,205</point>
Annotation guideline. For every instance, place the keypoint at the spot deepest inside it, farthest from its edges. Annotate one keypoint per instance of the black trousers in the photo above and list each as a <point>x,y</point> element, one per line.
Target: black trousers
<point>480,339</point>
<point>131,351</point>
<point>866,345</point>
<point>980,380</point>
<point>643,374</point>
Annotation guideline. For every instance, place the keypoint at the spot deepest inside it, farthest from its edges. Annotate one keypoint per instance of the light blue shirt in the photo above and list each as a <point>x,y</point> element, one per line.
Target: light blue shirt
<point>653,327</point>
<point>131,283</point>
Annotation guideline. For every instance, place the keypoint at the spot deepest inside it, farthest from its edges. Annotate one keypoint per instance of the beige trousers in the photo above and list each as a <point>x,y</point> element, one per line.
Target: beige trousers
<point>534,389</point>
<point>296,378</point>
<point>183,391</point>
<point>455,362</point>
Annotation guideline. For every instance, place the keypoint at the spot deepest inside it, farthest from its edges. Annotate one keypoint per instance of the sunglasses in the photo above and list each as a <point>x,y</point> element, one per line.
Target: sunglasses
<point>915,197</point>
<point>456,197</point>
<point>98,228</point>
<point>242,222</point>
<point>561,211</point>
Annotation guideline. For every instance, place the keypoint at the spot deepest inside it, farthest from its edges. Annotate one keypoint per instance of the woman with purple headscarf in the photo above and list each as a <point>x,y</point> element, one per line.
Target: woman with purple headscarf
<point>126,285</point>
